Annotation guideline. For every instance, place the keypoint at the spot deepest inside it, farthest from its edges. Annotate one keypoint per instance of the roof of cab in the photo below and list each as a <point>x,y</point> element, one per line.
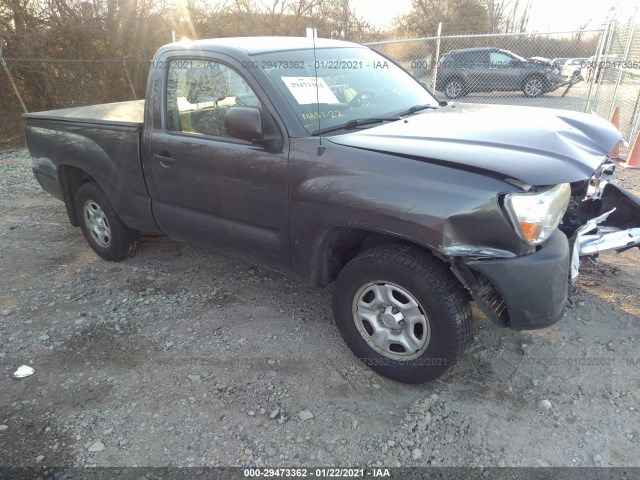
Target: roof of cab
<point>257,45</point>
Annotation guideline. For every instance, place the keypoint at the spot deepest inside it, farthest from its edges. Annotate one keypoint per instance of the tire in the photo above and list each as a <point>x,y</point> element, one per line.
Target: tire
<point>454,88</point>
<point>534,86</point>
<point>379,289</point>
<point>102,228</point>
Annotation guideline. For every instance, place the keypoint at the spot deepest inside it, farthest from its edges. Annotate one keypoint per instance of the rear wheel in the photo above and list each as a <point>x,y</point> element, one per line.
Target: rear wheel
<point>101,226</point>
<point>402,313</point>
<point>454,88</point>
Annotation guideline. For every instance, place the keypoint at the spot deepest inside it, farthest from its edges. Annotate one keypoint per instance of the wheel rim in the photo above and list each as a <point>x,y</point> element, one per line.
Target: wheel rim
<point>391,320</point>
<point>454,89</point>
<point>97,223</point>
<point>533,87</point>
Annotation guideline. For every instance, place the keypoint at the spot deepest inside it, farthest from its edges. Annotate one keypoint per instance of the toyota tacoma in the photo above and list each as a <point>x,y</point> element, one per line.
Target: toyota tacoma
<point>326,160</point>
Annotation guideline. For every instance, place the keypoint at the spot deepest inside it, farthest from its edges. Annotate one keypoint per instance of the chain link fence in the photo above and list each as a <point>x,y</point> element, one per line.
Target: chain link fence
<point>50,84</point>
<point>554,70</point>
<point>615,76</point>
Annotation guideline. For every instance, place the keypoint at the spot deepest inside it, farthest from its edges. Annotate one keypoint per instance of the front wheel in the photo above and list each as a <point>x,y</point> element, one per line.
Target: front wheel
<point>534,86</point>
<point>101,226</point>
<point>402,313</point>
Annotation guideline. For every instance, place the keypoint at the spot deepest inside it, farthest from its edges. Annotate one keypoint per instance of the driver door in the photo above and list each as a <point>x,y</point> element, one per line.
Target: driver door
<point>208,188</point>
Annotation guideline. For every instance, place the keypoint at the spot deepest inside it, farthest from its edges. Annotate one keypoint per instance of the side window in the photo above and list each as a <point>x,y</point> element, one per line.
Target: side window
<point>463,60</point>
<point>499,59</point>
<point>477,58</point>
<point>199,92</point>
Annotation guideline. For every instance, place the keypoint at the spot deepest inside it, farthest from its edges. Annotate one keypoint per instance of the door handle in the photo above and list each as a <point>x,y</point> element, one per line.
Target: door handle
<point>165,161</point>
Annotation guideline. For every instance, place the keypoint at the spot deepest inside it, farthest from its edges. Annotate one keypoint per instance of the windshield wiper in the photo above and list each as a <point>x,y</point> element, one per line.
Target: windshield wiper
<point>417,108</point>
<point>358,122</point>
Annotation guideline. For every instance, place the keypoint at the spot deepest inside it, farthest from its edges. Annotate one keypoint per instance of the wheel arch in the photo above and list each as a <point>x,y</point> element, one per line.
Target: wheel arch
<point>338,245</point>
<point>70,178</point>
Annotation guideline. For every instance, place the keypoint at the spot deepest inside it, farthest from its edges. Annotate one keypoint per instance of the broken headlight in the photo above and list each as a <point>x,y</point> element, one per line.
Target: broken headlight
<point>536,215</point>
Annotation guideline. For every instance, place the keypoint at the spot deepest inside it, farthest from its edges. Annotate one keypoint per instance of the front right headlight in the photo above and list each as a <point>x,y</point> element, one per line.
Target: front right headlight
<point>536,215</point>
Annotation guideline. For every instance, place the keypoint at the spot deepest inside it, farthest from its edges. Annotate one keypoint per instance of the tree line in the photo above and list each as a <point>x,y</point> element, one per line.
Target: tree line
<point>101,29</point>
<point>67,52</point>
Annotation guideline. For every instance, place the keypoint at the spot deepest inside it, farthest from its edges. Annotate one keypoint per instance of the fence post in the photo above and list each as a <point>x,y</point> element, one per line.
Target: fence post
<point>632,28</point>
<point>126,72</point>
<point>635,118</point>
<point>598,73</point>
<point>435,69</point>
<point>596,59</point>
<point>6,69</point>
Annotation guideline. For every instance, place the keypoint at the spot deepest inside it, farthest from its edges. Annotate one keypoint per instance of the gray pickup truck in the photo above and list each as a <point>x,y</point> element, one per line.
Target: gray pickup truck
<point>326,160</point>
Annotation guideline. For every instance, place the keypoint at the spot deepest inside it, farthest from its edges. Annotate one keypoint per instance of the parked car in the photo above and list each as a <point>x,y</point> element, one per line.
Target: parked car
<point>559,62</point>
<point>329,162</point>
<point>574,64</point>
<point>595,67</point>
<point>490,69</point>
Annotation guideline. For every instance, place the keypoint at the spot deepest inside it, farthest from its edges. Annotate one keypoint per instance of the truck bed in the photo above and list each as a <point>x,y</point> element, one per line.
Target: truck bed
<point>104,142</point>
<point>128,114</point>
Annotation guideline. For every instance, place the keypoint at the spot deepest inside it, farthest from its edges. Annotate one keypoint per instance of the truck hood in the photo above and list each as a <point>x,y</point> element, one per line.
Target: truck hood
<point>538,146</point>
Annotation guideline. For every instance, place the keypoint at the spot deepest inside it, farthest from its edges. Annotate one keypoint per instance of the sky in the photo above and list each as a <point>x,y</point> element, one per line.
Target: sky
<point>546,15</point>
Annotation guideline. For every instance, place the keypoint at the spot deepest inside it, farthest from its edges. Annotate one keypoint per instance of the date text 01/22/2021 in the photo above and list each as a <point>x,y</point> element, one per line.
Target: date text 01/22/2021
<point>324,64</point>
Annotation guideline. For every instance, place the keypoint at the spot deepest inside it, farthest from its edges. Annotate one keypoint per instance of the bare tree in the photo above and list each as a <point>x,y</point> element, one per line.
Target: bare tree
<point>507,16</point>
<point>457,16</point>
<point>577,36</point>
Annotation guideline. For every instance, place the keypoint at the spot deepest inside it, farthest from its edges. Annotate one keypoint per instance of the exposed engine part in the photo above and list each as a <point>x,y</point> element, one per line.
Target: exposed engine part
<point>609,238</point>
<point>585,202</point>
<point>593,260</point>
<point>603,175</point>
<point>592,239</point>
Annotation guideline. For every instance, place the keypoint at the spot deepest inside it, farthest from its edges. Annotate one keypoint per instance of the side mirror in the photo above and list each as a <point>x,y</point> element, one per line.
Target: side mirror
<point>246,123</point>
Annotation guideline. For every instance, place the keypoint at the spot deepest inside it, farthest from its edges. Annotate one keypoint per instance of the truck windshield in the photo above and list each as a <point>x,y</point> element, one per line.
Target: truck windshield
<point>340,85</point>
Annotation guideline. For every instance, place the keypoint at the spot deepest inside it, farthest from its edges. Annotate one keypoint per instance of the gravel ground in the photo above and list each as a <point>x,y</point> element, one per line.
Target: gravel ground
<point>178,357</point>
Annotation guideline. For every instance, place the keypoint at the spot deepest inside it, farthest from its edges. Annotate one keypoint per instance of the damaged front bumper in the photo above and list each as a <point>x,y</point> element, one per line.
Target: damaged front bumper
<point>525,292</point>
<point>528,292</point>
